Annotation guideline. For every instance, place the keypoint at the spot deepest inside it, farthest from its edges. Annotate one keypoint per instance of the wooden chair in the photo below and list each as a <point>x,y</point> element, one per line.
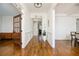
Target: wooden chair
<point>73,37</point>
<point>76,39</point>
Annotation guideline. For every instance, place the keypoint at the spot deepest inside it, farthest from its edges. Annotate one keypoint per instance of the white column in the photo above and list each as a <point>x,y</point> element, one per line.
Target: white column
<point>53,28</point>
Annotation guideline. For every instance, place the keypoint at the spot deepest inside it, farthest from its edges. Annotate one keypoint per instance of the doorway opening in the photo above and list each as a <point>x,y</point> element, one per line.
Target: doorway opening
<point>37,28</point>
<point>40,30</point>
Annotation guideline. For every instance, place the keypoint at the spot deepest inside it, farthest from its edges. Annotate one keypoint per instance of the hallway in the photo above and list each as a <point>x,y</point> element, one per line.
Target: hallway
<point>37,48</point>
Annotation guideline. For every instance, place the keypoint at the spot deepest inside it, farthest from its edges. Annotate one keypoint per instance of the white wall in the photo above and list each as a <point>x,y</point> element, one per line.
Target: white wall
<point>26,27</point>
<point>64,25</point>
<point>49,30</point>
<point>6,24</point>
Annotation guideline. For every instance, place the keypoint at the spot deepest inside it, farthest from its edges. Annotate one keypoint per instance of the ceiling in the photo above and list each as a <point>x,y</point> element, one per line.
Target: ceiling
<point>45,7</point>
<point>68,8</point>
<point>6,9</point>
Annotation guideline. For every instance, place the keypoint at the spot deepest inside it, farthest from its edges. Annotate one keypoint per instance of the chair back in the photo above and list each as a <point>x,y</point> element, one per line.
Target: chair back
<point>77,35</point>
<point>73,35</point>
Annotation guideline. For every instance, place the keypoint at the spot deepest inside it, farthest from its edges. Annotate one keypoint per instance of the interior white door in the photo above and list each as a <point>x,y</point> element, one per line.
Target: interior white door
<point>77,25</point>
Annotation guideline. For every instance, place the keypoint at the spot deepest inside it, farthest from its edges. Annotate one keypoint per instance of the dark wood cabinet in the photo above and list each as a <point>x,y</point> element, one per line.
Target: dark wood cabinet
<point>17,23</point>
<point>17,29</point>
<point>16,37</point>
<point>5,35</point>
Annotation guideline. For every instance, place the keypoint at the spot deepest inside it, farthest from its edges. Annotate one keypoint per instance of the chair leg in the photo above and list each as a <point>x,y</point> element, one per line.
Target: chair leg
<point>75,43</point>
<point>71,43</point>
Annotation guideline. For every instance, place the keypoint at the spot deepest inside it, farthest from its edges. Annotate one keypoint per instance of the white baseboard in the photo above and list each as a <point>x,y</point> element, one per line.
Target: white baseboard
<point>26,43</point>
<point>62,39</point>
<point>51,44</point>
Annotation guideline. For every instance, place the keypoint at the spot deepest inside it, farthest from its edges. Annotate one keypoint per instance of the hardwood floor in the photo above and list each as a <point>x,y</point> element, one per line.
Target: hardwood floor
<point>63,48</point>
<point>8,48</point>
<point>37,48</point>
